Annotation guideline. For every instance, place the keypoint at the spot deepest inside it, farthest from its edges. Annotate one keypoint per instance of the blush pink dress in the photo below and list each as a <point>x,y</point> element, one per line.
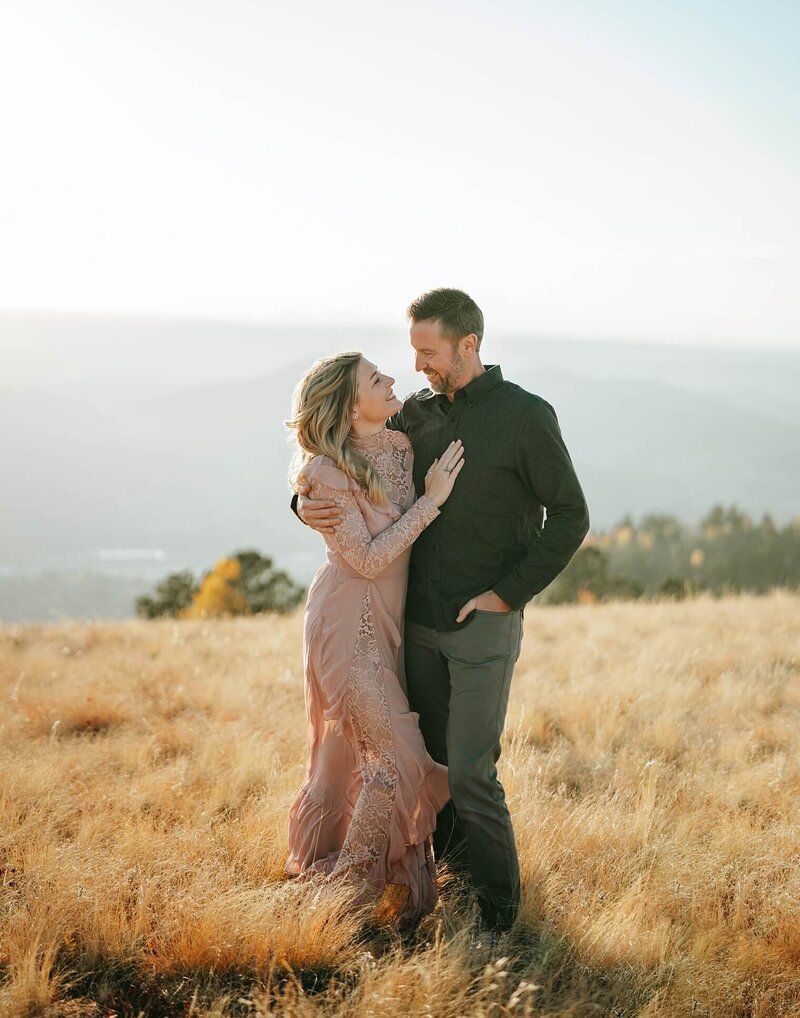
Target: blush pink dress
<point>367,807</point>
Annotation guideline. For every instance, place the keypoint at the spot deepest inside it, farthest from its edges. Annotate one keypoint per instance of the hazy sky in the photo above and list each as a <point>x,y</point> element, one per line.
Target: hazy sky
<point>590,168</point>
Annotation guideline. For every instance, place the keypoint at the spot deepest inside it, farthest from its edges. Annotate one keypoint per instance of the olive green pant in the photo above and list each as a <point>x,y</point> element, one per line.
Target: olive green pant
<point>458,683</point>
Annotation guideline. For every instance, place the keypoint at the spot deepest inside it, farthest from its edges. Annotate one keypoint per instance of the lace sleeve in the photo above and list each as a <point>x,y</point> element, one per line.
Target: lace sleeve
<point>370,555</point>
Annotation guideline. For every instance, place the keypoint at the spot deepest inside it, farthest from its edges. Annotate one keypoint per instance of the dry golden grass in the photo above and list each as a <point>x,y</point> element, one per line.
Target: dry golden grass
<point>652,766</point>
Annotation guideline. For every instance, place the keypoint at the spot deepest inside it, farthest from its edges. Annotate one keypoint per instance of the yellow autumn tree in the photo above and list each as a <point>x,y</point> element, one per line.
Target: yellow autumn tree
<point>697,558</point>
<point>219,593</point>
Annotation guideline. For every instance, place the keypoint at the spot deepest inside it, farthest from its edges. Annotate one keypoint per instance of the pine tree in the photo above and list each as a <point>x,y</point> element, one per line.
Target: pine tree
<point>173,594</point>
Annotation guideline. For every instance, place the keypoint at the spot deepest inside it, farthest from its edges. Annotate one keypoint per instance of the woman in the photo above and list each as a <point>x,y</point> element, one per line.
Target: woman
<point>368,805</point>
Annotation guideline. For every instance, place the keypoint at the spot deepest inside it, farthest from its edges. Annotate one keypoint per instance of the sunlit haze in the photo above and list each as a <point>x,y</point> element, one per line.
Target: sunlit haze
<point>604,169</point>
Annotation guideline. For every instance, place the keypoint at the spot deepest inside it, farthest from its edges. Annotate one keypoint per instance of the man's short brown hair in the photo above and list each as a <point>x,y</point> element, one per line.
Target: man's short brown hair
<point>455,311</point>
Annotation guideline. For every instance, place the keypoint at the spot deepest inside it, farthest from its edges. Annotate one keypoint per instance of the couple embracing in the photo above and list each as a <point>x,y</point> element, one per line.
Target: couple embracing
<point>432,510</point>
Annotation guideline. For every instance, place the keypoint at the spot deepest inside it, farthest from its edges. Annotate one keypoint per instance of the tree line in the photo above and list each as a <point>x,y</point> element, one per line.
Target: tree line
<point>728,552</point>
<point>658,557</point>
<point>245,583</point>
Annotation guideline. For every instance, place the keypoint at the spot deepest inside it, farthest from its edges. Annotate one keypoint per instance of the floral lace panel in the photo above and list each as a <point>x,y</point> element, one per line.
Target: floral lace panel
<point>393,460</point>
<point>366,554</point>
<point>368,713</point>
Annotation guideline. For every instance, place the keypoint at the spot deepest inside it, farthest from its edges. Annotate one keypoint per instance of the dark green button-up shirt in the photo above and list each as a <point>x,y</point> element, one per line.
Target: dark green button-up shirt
<point>492,533</point>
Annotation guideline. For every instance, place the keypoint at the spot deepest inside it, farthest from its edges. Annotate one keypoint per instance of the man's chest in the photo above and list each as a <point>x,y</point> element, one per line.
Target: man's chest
<point>489,441</point>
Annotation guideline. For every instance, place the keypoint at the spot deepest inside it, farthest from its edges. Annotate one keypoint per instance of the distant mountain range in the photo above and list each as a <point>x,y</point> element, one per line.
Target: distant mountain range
<point>196,468</point>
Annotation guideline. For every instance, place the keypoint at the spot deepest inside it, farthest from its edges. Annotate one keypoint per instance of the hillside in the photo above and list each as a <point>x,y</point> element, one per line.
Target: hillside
<point>168,438</point>
<point>651,763</point>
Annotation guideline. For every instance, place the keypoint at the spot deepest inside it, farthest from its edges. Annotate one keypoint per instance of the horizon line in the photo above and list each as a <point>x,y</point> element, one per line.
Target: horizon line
<point>258,321</point>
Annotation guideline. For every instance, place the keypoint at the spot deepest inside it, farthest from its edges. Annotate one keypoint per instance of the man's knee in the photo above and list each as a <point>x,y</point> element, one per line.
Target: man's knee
<point>474,787</point>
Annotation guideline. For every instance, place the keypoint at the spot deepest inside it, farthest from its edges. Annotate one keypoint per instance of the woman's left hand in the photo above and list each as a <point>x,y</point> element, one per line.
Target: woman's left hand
<point>487,602</point>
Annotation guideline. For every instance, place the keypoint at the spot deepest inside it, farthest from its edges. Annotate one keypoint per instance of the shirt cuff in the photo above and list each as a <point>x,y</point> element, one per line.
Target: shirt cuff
<point>293,505</point>
<point>513,592</point>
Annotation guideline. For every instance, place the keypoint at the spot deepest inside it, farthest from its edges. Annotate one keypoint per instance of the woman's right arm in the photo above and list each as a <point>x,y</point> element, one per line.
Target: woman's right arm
<point>370,555</point>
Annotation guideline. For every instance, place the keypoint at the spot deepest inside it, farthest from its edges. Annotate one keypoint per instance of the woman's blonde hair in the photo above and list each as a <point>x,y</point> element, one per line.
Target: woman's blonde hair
<point>322,414</point>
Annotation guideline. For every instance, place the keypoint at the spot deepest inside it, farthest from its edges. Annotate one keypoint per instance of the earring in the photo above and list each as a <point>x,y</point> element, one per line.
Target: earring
<point>355,415</point>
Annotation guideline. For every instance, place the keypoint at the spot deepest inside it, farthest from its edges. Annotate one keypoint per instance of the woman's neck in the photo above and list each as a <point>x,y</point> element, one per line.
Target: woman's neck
<point>365,430</point>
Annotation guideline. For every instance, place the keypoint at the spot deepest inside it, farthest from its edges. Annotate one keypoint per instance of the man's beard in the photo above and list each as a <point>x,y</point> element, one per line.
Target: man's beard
<point>449,381</point>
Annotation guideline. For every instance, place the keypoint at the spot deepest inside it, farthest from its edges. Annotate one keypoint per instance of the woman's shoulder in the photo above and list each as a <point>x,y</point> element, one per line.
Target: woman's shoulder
<point>322,470</point>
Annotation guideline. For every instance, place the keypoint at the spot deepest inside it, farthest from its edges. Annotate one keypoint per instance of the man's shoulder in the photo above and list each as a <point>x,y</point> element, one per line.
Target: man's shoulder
<point>416,404</point>
<point>413,404</point>
<point>525,400</point>
<point>420,396</point>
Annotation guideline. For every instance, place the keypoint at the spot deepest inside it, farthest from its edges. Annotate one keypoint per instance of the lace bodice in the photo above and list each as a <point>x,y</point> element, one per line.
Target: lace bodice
<point>399,523</point>
<point>391,454</point>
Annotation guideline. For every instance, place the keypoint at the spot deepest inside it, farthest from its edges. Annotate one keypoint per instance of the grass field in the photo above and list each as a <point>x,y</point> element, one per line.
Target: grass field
<point>652,768</point>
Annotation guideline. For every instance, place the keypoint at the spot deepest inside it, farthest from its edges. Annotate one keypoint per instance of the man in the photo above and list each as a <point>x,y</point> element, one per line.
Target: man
<point>471,574</point>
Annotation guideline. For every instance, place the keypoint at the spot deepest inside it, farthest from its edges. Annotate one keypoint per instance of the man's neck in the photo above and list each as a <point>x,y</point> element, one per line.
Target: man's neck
<point>477,369</point>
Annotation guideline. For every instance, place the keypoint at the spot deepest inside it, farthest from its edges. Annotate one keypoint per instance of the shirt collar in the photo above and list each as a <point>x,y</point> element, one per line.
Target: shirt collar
<point>478,387</point>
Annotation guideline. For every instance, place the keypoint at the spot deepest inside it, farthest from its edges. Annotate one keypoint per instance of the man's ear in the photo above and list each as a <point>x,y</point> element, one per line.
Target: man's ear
<point>469,343</point>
